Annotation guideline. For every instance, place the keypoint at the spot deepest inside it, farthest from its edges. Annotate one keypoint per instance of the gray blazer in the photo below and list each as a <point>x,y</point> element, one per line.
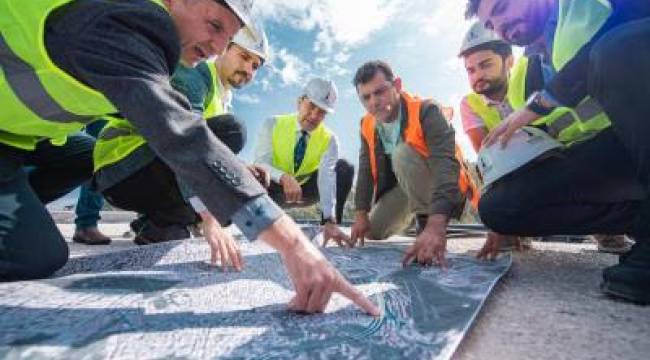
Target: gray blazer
<point>128,51</point>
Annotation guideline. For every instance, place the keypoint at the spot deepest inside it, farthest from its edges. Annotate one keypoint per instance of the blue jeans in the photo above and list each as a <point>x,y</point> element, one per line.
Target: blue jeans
<point>90,202</point>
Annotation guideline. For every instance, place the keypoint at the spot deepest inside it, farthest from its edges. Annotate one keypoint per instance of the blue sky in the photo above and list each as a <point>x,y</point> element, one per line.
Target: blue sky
<point>332,38</point>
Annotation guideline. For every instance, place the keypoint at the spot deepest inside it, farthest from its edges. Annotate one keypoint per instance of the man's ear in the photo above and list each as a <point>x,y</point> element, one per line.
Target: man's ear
<point>510,62</point>
<point>398,83</point>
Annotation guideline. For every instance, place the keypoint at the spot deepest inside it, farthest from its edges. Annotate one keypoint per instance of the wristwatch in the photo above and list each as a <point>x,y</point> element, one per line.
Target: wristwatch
<point>328,220</point>
<point>538,104</point>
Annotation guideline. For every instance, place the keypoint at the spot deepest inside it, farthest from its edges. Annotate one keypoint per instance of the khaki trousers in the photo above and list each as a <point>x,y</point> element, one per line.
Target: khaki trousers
<point>393,213</point>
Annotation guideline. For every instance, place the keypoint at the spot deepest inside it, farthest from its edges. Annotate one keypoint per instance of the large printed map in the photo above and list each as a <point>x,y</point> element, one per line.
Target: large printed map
<point>163,301</point>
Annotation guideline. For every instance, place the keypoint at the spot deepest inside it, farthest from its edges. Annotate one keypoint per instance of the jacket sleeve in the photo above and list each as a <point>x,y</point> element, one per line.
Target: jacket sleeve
<point>440,138</point>
<point>128,53</point>
<point>569,86</point>
<point>364,188</point>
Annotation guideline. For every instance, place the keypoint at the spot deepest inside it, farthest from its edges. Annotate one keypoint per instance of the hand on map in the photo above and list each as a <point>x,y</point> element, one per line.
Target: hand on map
<point>431,245</point>
<point>223,247</point>
<point>360,229</point>
<point>292,190</point>
<point>493,244</point>
<point>333,232</point>
<point>509,125</point>
<point>314,278</point>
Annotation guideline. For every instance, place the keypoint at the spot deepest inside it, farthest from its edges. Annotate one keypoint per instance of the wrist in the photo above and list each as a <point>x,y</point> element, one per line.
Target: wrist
<point>539,104</point>
<point>437,223</point>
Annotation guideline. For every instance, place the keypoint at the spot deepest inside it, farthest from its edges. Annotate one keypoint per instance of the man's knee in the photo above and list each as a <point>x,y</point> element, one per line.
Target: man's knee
<point>229,130</point>
<point>499,211</point>
<point>39,264</point>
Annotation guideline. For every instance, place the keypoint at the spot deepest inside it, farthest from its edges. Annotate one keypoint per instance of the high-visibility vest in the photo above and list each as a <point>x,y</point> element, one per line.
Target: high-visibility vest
<point>119,138</point>
<point>490,116</point>
<point>567,125</point>
<point>38,99</point>
<point>578,22</point>
<point>414,136</point>
<point>284,142</point>
<point>215,105</point>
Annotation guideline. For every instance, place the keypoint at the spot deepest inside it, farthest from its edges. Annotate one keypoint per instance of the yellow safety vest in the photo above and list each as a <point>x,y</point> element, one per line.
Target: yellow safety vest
<point>284,141</point>
<point>119,138</point>
<point>38,99</point>
<point>578,22</point>
<point>491,117</point>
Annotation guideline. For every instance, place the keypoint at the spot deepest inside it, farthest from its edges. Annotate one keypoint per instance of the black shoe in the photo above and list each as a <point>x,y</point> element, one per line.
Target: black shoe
<point>138,223</point>
<point>151,234</point>
<point>630,279</point>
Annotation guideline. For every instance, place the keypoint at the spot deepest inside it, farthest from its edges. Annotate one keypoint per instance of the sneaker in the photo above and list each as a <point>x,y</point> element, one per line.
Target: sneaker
<point>90,236</point>
<point>613,244</point>
<point>630,279</point>
<point>151,234</point>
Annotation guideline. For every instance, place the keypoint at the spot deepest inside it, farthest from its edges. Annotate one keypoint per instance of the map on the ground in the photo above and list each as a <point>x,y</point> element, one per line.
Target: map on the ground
<point>164,301</point>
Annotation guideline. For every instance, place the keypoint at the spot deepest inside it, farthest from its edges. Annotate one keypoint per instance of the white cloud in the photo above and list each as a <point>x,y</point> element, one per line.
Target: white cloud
<point>289,67</point>
<point>337,22</point>
<point>248,98</point>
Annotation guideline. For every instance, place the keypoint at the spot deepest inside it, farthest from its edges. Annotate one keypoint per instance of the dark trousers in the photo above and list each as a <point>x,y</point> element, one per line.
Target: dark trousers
<point>153,191</point>
<point>310,195</point>
<point>90,202</point>
<point>600,186</point>
<point>31,246</point>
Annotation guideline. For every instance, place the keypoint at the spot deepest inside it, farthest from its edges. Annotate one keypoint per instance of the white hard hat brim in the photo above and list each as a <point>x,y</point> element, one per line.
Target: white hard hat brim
<point>321,105</point>
<point>244,16</point>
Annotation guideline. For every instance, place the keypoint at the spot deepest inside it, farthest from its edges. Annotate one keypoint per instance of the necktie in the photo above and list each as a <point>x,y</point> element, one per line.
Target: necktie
<point>299,150</point>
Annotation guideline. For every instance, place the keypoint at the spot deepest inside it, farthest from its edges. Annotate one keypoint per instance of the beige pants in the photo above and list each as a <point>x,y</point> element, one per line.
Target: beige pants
<point>394,211</point>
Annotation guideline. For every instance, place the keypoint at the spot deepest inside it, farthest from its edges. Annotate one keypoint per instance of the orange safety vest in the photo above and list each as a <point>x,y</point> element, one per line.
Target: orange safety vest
<point>414,136</point>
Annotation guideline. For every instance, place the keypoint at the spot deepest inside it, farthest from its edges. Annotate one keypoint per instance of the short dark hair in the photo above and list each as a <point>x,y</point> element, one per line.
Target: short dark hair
<point>368,71</point>
<point>501,48</point>
<point>472,8</point>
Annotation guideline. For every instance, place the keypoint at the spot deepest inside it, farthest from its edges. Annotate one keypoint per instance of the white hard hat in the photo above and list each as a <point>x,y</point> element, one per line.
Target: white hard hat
<point>256,43</point>
<point>477,35</point>
<point>243,9</point>
<point>527,144</point>
<point>322,93</point>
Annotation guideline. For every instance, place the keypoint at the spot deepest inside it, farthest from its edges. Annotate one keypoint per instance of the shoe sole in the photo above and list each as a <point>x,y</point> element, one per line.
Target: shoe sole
<point>625,292</point>
<point>82,241</point>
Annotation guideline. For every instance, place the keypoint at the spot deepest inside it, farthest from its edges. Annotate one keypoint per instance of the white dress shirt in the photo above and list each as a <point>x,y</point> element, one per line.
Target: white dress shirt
<point>326,168</point>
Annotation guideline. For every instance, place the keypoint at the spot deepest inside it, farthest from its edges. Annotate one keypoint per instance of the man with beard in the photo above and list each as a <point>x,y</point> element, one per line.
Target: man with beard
<point>488,61</point>
<point>66,63</point>
<point>132,177</point>
<point>598,53</point>
<point>302,156</point>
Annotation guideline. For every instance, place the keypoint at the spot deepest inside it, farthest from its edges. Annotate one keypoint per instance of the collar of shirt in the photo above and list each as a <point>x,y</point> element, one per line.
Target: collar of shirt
<point>299,130</point>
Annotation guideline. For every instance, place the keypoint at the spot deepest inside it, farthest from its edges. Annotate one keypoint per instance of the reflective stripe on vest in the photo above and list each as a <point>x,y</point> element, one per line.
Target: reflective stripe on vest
<point>414,136</point>
<point>39,100</point>
<point>490,116</point>
<point>119,138</point>
<point>284,141</point>
<point>569,126</point>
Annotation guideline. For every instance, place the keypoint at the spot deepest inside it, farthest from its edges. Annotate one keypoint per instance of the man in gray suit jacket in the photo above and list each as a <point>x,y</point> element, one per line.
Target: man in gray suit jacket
<point>126,51</point>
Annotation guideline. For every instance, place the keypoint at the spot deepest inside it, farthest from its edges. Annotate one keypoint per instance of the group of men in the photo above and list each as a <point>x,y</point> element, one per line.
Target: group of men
<point>168,150</point>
